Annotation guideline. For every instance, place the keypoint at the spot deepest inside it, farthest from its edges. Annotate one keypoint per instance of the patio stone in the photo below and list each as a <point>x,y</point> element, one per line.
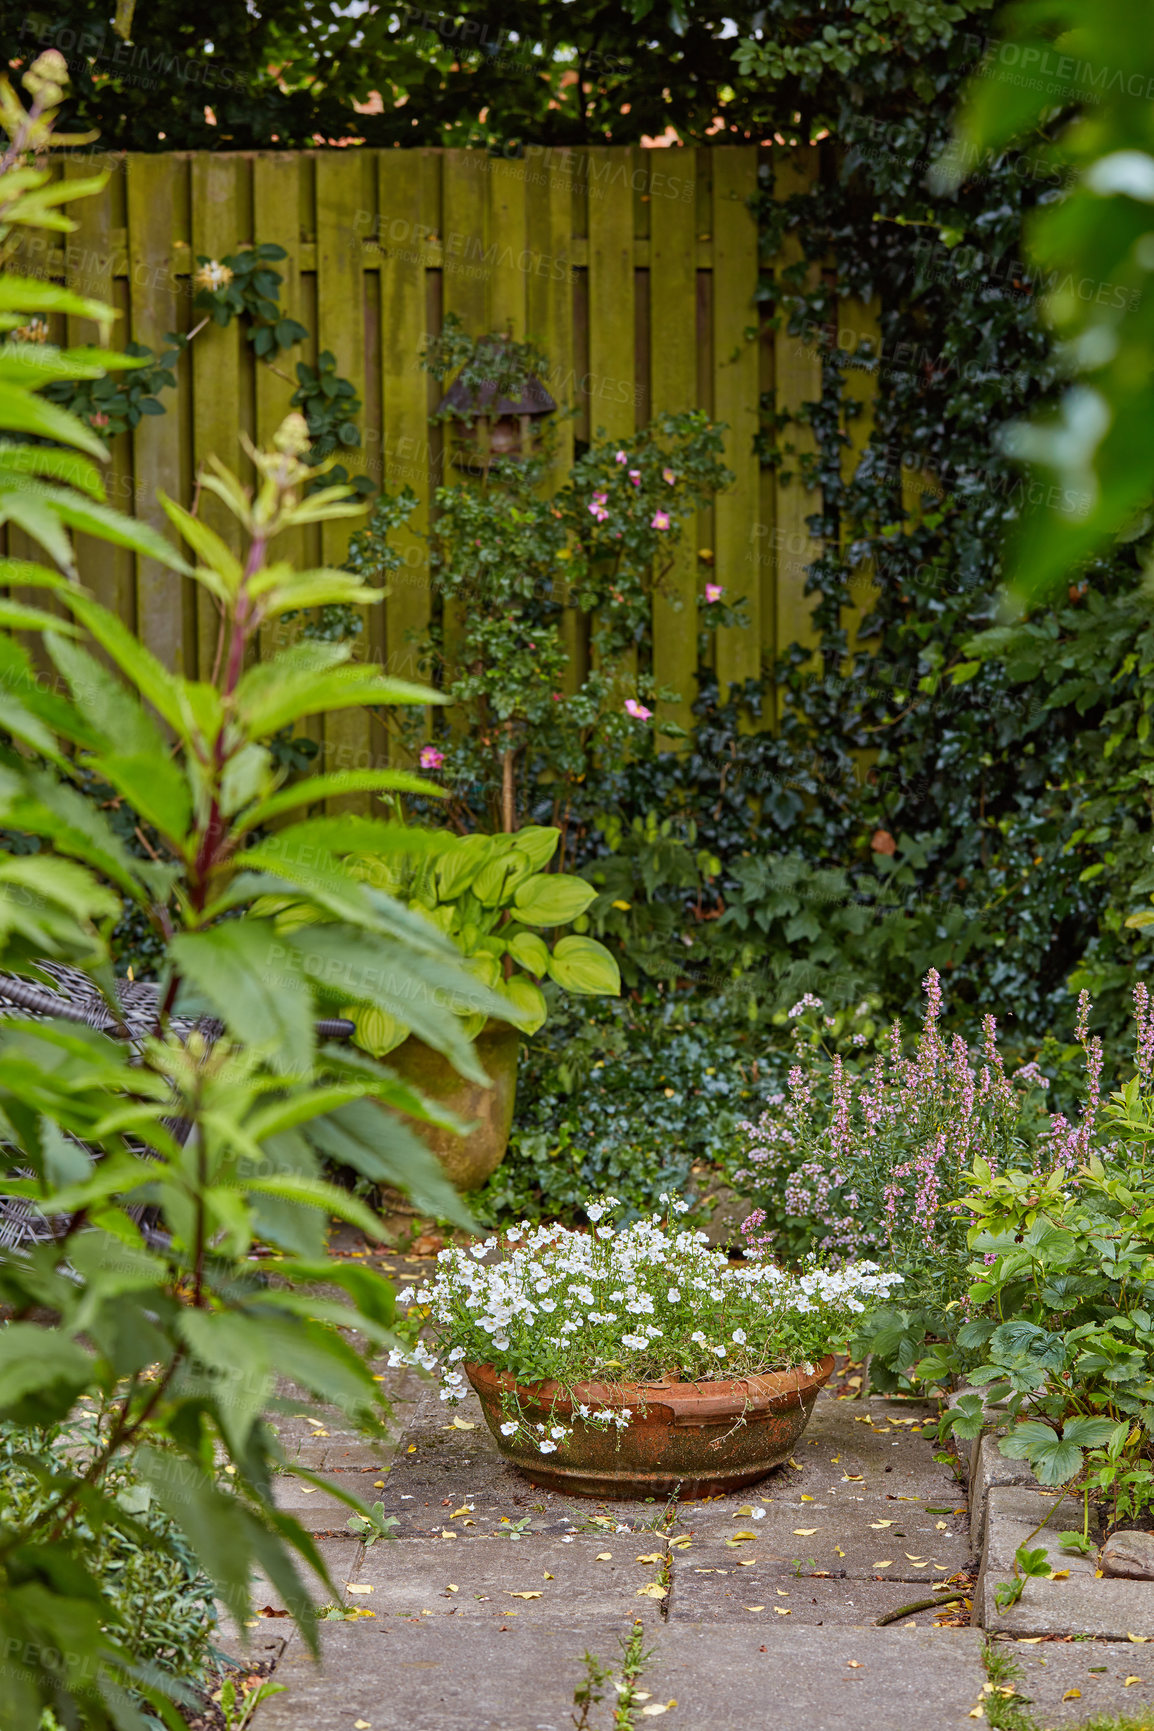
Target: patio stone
<point>1083,1604</point>
<point>1098,1669</point>
<point>838,1532</point>
<point>582,1578</point>
<point>735,1677</point>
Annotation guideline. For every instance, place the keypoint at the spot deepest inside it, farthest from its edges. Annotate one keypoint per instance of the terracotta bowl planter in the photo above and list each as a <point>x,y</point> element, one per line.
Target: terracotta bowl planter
<point>686,1437</point>
<point>467,1160</point>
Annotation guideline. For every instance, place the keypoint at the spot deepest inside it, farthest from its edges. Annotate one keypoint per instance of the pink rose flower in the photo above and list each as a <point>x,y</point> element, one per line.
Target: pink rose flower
<point>431,758</point>
<point>635,477</point>
<point>714,591</point>
<point>637,710</point>
<point>659,520</point>
<point>621,457</point>
<point>668,476</point>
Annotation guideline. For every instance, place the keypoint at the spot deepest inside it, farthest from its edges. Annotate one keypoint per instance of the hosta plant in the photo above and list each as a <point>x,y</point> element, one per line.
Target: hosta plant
<point>492,895</point>
<point>629,1306</point>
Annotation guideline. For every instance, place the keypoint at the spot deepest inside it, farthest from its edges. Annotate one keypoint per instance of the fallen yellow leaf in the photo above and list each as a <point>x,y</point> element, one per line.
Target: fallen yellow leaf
<point>308,1490</point>
<point>941,1526</point>
<point>806,1499</point>
<point>362,1725</point>
<point>794,1463</point>
<point>524,1595</point>
<point>412,1449</point>
<point>450,1588</point>
<point>804,1532</point>
<point>378,1484</point>
<point>977,1712</point>
<point>782,1610</point>
<point>652,1557</point>
<point>851,1478</point>
<point>683,1542</point>
<point>745,1509</point>
<point>653,1591</point>
<point>747,1563</point>
<point>1130,1680</point>
<point>743,1537</point>
<point>1072,1695</point>
<point>656,1707</point>
<point>837,1549</point>
<point>877,1524</point>
<point>463,1424</point>
<point>1137,1638</point>
<point>1060,1575</point>
<point>885,1564</point>
<point>835,1460</point>
<point>918,1562</point>
<point>358,1589</point>
<point>547,1576</point>
<point>605,1556</point>
<point>465,1509</point>
<point>446,1534</point>
<point>781,1592</point>
<point>854,1664</point>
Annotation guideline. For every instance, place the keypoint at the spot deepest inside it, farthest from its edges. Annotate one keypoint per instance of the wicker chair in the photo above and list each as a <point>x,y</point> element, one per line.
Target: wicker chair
<point>75,999</point>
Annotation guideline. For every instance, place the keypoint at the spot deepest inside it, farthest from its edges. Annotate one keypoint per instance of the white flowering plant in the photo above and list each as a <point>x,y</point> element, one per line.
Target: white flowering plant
<point>646,1303</point>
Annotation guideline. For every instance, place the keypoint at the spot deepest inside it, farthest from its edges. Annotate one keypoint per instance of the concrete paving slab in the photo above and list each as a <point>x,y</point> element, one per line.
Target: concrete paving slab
<point>733,1677</point>
<point>1098,1669</point>
<point>1082,1604</point>
<point>852,1532</point>
<point>989,1470</point>
<point>737,1594</point>
<point>580,1579</point>
<point>443,1673</point>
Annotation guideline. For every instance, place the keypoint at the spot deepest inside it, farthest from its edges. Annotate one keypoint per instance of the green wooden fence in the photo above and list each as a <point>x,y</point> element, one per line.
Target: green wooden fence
<point>634,269</point>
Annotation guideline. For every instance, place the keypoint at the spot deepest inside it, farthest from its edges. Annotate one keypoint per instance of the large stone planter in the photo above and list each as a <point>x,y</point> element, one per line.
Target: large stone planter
<point>467,1160</point>
<point>700,1439</point>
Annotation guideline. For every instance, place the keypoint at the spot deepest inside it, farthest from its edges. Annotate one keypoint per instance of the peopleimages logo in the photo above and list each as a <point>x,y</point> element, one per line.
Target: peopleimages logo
<point>128,62</point>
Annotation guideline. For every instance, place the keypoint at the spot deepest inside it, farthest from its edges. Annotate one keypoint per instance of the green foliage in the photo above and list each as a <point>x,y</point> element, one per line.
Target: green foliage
<point>114,404</point>
<point>1094,455</point>
<point>244,285</point>
<point>491,895</point>
<point>632,1097</point>
<point>510,555</point>
<point>160,1600</point>
<point>175,1335</point>
<point>330,404</point>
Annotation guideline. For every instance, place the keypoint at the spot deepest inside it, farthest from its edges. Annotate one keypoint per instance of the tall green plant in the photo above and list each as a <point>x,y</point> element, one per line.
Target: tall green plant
<point>173,1334</point>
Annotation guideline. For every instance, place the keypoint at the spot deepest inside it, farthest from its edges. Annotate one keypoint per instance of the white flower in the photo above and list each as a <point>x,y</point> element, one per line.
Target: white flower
<point>594,1211</point>
<point>673,1295</point>
<point>509,1428</point>
<point>739,1336</point>
<point>558,1431</point>
<point>718,1350</point>
<point>759,1514</point>
<point>457,1353</point>
<point>548,1304</point>
<point>637,1341</point>
<point>547,1448</point>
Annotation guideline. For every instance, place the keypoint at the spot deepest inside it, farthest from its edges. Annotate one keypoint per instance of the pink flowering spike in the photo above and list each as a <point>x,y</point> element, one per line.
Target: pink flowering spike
<point>659,520</point>
<point>713,592</point>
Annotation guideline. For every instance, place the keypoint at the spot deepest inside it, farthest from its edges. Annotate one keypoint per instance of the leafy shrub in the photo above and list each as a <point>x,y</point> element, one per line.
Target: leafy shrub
<point>637,1097</point>
<point>161,1603</point>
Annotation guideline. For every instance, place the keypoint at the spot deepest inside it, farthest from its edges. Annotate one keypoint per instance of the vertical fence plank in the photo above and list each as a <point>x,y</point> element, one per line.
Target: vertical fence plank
<point>157,307</point>
<point>404,400</point>
<point>88,269</point>
<point>507,251</point>
<point>735,370</point>
<point>215,354</point>
<point>612,389</point>
<point>673,375</point>
<point>798,370</point>
<point>276,202</point>
<point>341,209</point>
<point>465,294</point>
<point>549,297</point>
